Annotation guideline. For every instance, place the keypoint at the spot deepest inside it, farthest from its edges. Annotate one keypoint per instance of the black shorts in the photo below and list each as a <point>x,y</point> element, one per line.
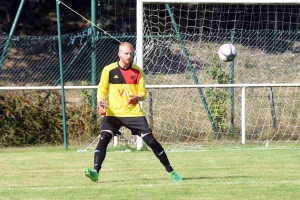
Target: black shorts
<point>137,125</point>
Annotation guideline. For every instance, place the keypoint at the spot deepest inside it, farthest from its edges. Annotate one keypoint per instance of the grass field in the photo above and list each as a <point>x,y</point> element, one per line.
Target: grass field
<point>246,173</point>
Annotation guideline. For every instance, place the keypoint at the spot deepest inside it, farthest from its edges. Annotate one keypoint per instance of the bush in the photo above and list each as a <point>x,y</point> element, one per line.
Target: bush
<point>35,118</point>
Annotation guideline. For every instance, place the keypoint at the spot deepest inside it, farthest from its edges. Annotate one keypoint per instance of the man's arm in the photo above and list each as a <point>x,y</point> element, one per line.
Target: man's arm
<point>103,85</point>
<point>102,91</point>
<point>141,93</point>
<point>101,107</point>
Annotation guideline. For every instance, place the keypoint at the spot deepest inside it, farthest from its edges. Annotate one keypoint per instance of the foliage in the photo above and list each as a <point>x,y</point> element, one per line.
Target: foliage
<point>32,118</point>
<point>28,119</point>
<point>217,98</point>
<point>39,17</point>
<point>84,95</point>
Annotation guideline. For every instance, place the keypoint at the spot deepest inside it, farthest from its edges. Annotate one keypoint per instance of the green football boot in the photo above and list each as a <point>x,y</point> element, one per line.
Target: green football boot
<point>91,173</point>
<point>174,176</point>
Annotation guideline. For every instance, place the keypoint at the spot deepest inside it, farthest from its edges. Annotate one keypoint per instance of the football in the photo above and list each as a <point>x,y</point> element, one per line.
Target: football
<point>227,52</point>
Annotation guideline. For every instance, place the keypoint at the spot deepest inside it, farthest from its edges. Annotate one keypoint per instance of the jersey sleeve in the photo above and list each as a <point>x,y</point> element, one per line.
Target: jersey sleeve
<point>103,85</point>
<point>141,85</point>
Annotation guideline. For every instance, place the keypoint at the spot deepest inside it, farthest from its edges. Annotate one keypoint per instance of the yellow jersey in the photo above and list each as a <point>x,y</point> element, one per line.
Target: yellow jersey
<point>119,84</point>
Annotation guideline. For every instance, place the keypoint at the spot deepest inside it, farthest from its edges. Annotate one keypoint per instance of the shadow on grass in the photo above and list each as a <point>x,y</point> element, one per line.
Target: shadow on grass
<point>222,177</point>
<point>167,178</point>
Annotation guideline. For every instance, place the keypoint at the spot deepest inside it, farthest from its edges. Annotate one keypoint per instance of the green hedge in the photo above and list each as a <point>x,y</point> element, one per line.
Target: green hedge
<point>29,118</point>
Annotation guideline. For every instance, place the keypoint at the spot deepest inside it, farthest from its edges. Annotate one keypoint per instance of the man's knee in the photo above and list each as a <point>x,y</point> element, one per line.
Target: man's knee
<point>148,139</point>
<point>152,143</point>
<point>104,139</point>
<point>106,134</point>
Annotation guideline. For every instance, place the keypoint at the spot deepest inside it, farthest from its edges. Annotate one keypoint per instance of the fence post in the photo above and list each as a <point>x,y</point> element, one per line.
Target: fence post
<point>62,76</point>
<point>94,95</point>
<point>232,90</point>
<point>150,115</point>
<point>272,105</point>
<point>12,30</point>
<point>243,115</point>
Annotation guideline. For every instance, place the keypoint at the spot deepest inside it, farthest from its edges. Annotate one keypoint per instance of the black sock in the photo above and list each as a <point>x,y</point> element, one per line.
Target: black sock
<point>100,151</point>
<point>158,151</point>
<point>165,161</point>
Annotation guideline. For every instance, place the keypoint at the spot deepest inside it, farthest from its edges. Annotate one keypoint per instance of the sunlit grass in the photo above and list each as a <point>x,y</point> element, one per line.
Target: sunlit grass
<point>246,173</point>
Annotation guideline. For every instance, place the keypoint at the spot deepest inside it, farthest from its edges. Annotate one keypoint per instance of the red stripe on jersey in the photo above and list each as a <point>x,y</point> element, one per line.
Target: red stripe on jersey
<point>131,75</point>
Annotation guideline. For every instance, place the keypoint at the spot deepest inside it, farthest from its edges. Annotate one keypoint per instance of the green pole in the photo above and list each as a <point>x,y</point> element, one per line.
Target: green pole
<point>94,76</point>
<point>191,69</point>
<point>232,89</point>
<point>61,76</point>
<point>12,30</point>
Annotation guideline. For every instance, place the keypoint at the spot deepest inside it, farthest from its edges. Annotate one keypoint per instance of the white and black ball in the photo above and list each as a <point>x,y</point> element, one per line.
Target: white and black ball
<point>227,52</point>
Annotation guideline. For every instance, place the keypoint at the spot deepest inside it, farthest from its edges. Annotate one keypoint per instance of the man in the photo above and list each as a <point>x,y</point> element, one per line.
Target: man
<point>124,84</point>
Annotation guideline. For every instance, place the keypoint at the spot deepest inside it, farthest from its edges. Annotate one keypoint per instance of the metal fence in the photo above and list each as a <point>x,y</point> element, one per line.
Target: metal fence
<point>263,57</point>
<point>33,60</point>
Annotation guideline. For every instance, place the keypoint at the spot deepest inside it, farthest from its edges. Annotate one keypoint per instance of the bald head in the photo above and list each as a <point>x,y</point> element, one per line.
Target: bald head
<point>126,54</point>
<point>124,45</point>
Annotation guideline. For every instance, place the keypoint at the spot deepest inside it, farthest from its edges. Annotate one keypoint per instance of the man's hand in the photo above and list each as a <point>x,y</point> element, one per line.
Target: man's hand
<point>101,108</point>
<point>133,100</point>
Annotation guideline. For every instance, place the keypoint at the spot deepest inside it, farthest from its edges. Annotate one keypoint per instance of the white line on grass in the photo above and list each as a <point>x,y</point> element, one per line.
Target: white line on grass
<point>183,183</point>
<point>232,149</point>
<point>219,149</point>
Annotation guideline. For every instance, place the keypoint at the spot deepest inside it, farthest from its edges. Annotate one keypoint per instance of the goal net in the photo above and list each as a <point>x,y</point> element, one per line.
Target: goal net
<point>177,43</point>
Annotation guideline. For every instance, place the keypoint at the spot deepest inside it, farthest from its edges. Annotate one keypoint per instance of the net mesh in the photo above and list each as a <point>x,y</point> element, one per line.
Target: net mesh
<point>180,47</point>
